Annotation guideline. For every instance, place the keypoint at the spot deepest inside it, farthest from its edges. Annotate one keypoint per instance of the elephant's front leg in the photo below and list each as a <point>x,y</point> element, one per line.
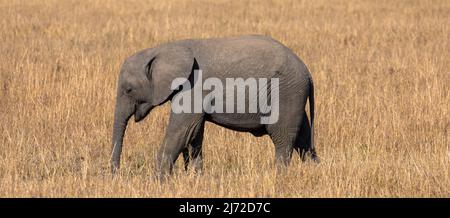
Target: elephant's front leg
<point>195,149</point>
<point>196,144</point>
<point>178,134</point>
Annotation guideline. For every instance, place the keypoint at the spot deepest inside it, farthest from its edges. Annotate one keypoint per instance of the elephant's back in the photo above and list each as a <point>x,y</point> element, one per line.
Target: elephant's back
<point>246,56</point>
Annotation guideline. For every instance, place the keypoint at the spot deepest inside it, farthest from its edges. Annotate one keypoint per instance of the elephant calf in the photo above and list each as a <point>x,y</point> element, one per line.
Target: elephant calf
<point>147,80</point>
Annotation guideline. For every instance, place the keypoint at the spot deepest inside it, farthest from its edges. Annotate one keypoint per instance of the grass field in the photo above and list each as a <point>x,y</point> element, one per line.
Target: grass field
<point>381,71</point>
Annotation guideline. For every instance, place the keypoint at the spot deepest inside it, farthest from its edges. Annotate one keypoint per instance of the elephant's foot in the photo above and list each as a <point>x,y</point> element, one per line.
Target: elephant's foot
<point>305,152</point>
<point>162,174</point>
<point>164,166</point>
<point>198,166</point>
<point>114,167</point>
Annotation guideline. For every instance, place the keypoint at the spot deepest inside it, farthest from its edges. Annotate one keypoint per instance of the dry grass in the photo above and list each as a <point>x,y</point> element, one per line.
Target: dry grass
<point>381,70</point>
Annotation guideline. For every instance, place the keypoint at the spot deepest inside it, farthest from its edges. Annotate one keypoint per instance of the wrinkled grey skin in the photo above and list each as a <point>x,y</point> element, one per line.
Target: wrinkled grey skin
<point>146,77</point>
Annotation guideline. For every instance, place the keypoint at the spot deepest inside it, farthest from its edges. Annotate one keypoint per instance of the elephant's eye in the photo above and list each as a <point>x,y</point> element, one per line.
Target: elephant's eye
<point>128,90</point>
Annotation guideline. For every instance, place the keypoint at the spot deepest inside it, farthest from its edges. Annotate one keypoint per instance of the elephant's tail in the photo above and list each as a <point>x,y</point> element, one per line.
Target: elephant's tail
<point>311,112</point>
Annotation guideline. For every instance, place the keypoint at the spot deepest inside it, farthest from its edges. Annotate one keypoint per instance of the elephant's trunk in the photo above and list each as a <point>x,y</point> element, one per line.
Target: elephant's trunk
<point>122,114</point>
<point>118,134</point>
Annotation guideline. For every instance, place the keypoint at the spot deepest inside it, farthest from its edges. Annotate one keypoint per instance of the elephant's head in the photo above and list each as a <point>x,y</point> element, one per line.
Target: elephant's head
<point>145,82</point>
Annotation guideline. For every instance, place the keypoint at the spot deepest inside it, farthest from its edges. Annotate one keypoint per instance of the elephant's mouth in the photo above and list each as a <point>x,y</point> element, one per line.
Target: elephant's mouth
<point>142,110</point>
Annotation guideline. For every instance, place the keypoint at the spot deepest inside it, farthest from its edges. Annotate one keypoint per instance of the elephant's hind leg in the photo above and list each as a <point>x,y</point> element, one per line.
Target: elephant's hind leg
<point>283,140</point>
<point>303,144</point>
<point>284,135</point>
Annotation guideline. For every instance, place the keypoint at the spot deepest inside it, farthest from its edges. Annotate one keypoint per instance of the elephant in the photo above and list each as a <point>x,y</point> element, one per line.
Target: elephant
<point>146,80</point>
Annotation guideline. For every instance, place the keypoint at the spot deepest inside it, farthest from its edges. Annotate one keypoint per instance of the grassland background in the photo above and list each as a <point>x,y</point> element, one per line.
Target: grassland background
<point>381,71</point>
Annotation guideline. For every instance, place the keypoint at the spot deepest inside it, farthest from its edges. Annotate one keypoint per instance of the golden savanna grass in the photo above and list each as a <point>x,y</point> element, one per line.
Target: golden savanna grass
<point>381,71</point>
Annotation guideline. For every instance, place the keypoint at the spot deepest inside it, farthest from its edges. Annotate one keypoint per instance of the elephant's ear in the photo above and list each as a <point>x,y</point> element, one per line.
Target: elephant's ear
<point>168,64</point>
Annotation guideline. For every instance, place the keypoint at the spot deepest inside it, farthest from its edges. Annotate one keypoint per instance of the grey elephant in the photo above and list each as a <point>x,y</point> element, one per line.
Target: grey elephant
<point>146,80</point>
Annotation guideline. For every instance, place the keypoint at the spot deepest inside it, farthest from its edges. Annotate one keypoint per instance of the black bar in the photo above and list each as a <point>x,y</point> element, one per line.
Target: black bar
<point>226,206</point>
